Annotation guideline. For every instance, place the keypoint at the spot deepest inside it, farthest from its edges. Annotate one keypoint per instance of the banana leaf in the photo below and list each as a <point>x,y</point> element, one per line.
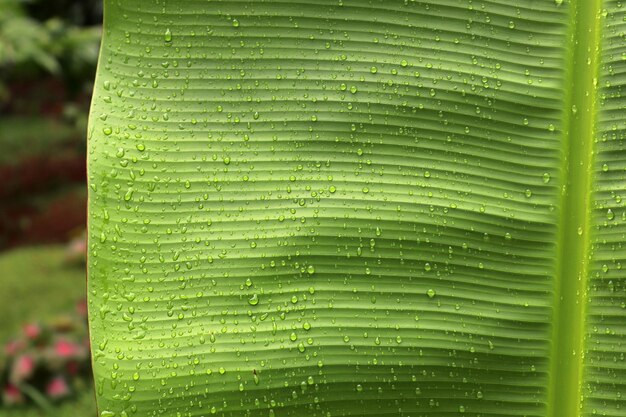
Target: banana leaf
<point>359,208</point>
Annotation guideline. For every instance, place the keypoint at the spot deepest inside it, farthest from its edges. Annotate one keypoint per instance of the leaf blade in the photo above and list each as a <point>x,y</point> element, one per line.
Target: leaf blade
<point>234,148</point>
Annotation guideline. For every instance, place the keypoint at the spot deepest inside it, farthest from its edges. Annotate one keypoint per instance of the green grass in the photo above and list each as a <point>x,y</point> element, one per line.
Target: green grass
<point>37,285</point>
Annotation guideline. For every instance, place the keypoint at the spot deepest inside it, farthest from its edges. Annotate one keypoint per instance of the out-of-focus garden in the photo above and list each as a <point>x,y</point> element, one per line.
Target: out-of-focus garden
<point>48,54</point>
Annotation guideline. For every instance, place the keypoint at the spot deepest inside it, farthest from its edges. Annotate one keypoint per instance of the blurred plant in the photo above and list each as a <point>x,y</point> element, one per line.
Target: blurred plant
<point>54,46</point>
<point>46,363</point>
<point>23,39</point>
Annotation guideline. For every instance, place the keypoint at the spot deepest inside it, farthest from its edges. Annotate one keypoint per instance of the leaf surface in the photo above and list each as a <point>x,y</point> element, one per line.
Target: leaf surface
<point>382,208</point>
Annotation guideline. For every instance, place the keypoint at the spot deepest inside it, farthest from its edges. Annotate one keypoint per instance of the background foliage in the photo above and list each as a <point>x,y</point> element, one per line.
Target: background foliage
<point>48,52</point>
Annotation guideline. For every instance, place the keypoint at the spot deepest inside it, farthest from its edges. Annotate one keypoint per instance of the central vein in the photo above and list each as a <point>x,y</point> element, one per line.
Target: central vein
<point>574,240</point>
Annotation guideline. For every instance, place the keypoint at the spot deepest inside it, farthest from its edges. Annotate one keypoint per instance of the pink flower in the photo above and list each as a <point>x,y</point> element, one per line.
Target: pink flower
<point>13,347</point>
<point>57,388</point>
<point>32,331</point>
<point>66,349</point>
<point>11,395</point>
<point>23,368</point>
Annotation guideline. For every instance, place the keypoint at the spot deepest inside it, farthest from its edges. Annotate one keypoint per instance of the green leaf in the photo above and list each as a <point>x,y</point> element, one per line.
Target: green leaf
<point>349,208</point>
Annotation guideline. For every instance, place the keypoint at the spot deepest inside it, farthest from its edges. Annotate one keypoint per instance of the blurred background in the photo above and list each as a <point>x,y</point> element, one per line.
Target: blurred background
<point>48,54</point>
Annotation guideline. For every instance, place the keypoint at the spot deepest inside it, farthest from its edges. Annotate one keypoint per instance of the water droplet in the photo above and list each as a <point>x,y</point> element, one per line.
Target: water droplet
<point>129,194</point>
<point>254,300</point>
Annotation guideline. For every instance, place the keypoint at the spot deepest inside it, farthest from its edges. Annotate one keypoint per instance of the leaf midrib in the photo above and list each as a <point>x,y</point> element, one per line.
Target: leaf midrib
<point>564,395</point>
